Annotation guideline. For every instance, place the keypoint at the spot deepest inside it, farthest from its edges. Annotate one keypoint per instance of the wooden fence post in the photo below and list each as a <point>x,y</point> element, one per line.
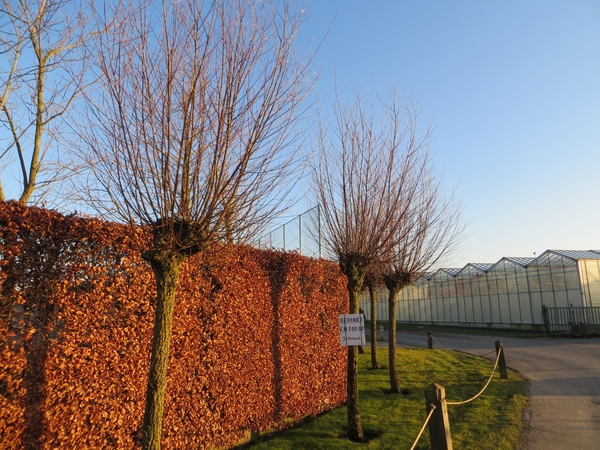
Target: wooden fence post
<point>429,340</point>
<point>501,361</point>
<point>439,425</point>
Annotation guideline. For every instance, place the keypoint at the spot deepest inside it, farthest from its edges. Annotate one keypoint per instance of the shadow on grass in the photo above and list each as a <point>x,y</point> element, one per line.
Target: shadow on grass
<point>369,434</point>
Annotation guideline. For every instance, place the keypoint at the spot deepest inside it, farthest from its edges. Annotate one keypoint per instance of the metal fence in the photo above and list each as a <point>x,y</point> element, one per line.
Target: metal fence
<point>301,234</point>
<point>573,319</point>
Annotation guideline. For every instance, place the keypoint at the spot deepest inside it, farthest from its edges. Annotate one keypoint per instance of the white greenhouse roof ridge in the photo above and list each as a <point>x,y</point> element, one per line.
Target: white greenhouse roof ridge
<point>519,260</point>
<point>523,261</point>
<point>577,254</point>
<point>482,266</point>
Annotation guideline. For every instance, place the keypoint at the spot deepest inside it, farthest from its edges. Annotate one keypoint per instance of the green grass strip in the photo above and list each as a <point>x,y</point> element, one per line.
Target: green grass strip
<point>493,421</point>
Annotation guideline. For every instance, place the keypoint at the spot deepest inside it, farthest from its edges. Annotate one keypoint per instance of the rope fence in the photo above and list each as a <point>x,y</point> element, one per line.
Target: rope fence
<point>484,388</point>
<point>438,342</point>
<point>446,348</point>
<point>435,396</point>
<point>423,427</point>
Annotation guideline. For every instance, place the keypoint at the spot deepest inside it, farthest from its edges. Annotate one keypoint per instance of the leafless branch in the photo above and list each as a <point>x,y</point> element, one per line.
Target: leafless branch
<point>43,44</point>
<point>192,132</point>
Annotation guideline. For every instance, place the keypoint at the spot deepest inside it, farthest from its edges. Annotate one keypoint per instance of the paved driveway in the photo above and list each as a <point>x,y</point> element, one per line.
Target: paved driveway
<point>564,376</point>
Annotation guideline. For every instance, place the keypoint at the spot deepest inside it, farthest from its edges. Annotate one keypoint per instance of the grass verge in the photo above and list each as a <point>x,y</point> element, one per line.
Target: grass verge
<point>492,421</point>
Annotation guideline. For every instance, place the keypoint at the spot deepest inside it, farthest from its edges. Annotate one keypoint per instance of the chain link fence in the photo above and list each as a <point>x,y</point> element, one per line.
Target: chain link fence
<point>301,234</point>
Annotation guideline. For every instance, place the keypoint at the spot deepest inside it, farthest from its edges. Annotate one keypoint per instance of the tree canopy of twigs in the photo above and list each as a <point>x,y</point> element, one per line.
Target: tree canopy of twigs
<point>191,133</point>
<point>43,66</point>
<point>431,228</point>
<point>371,158</point>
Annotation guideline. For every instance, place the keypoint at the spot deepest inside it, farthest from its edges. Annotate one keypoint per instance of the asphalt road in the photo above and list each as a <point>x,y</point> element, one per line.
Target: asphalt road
<point>564,383</point>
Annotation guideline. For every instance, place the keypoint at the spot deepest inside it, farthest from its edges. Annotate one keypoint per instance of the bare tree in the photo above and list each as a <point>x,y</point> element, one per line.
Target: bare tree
<point>42,73</point>
<point>372,282</point>
<point>364,167</point>
<point>430,229</point>
<point>190,133</point>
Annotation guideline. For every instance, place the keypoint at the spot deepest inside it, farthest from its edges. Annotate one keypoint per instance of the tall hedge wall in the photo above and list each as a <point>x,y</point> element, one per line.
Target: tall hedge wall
<point>255,338</point>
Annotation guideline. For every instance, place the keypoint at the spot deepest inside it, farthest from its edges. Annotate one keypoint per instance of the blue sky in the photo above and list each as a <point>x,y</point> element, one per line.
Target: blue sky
<point>513,90</point>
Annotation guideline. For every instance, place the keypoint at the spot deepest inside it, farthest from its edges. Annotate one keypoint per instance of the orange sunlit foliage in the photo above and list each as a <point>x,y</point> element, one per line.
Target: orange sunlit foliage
<point>254,342</point>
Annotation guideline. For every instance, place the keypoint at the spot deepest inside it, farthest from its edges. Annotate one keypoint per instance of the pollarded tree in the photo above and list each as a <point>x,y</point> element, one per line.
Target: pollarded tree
<point>359,180</point>
<point>43,66</point>
<point>431,229</point>
<point>190,133</point>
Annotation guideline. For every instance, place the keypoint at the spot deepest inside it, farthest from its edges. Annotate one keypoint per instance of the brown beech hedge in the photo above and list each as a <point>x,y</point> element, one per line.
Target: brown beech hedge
<point>255,342</point>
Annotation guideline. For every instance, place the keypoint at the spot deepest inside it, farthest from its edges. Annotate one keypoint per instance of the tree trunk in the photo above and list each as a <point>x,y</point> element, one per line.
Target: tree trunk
<point>394,382</point>
<point>355,431</point>
<point>166,270</point>
<point>373,295</point>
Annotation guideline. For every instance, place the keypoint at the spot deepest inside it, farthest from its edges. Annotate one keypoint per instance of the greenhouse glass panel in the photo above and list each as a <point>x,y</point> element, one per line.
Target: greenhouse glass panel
<point>504,316</point>
<point>533,279</point>
<point>548,298</point>
<point>501,283</point>
<point>572,277</point>
<point>482,285</point>
<point>458,287</point>
<point>557,270</point>
<point>575,297</point>
<point>477,310</point>
<point>591,278</point>
<point>460,306</point>
<point>536,307</point>
<point>477,317</point>
<point>476,298</point>
<point>445,287</point>
<point>453,309</point>
<point>403,311</point>
<point>544,273</point>
<point>444,313</point>
<point>514,308</point>
<point>492,284</point>
<point>561,299</point>
<point>412,310</point>
<point>364,305</point>
<point>469,314</point>
<point>430,309</point>
<point>416,309</point>
<point>447,311</point>
<point>382,304</point>
<point>511,279</point>
<point>434,309</point>
<point>466,286</point>
<point>485,309</point>
<point>453,300</point>
<point>423,311</point>
<point>521,281</point>
<point>495,309</point>
<point>525,307</point>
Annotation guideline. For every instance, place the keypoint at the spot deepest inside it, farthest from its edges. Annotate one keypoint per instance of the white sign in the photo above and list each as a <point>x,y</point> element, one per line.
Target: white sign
<point>352,329</point>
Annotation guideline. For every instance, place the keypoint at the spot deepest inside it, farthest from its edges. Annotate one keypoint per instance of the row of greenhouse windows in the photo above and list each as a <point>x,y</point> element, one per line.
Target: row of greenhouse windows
<point>508,293</point>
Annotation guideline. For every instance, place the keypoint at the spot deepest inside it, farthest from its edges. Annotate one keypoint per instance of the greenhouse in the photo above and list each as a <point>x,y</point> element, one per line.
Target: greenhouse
<point>513,292</point>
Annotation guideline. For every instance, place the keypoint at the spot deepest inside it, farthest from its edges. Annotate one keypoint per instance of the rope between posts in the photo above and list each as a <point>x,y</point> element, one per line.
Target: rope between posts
<point>445,348</point>
<point>485,354</point>
<point>433,337</point>
<point>484,388</point>
<point>423,427</point>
